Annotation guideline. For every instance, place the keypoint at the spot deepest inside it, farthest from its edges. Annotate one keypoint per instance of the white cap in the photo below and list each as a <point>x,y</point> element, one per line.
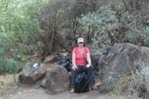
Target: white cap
<point>80,39</point>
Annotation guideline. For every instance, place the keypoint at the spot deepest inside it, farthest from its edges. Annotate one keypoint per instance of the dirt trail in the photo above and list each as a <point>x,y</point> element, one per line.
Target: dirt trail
<point>7,86</point>
<point>40,93</point>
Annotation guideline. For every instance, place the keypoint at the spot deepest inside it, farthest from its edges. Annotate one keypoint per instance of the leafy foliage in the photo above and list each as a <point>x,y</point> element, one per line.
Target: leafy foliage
<point>101,25</point>
<point>8,66</point>
<point>35,25</point>
<point>145,75</point>
<point>19,32</point>
<point>141,37</point>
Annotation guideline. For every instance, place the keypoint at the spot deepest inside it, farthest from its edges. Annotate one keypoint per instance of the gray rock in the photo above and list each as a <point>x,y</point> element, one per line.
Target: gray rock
<point>122,59</point>
<point>43,83</point>
<point>32,74</point>
<point>57,80</point>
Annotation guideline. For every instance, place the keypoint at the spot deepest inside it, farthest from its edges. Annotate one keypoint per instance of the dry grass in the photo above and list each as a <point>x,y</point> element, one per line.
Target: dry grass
<point>7,83</point>
<point>129,85</point>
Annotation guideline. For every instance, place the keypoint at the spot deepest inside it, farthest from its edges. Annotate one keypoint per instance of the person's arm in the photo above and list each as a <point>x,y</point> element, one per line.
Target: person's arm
<point>74,67</point>
<point>89,59</point>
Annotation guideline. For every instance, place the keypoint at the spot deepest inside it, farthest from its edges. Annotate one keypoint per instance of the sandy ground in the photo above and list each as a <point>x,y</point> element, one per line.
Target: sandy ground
<point>27,92</point>
<point>42,94</point>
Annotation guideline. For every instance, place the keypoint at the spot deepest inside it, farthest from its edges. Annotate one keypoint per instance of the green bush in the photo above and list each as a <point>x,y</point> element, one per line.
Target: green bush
<point>8,66</point>
<point>141,37</point>
<point>19,33</point>
<point>101,25</point>
<point>144,73</point>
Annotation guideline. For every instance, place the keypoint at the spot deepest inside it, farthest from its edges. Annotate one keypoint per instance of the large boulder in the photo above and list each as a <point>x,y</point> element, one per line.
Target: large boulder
<point>122,59</point>
<point>32,74</point>
<point>57,80</point>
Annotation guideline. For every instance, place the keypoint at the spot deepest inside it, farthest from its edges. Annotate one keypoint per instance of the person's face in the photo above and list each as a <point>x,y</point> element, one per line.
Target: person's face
<point>81,44</point>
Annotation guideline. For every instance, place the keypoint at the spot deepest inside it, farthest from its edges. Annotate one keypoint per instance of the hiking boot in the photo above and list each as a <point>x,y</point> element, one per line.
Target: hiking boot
<point>93,87</point>
<point>72,91</point>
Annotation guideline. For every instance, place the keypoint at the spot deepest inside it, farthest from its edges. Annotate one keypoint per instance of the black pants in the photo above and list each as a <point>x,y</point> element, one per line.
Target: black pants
<point>88,71</point>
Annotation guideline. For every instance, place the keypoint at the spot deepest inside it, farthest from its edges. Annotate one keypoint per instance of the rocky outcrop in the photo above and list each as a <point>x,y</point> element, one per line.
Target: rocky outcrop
<point>31,73</point>
<point>122,59</point>
<point>57,80</point>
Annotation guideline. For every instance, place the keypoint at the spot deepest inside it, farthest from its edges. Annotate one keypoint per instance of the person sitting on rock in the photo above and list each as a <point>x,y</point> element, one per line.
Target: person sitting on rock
<point>80,62</point>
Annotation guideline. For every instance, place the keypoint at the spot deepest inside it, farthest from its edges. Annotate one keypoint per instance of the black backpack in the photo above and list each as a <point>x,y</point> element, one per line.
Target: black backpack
<point>66,62</point>
<point>82,84</point>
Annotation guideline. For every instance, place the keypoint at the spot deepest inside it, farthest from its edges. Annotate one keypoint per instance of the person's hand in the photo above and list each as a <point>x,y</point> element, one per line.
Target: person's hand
<point>88,65</point>
<point>74,67</point>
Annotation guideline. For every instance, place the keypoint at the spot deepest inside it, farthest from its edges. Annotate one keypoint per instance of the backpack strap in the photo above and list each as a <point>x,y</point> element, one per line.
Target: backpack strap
<point>85,58</point>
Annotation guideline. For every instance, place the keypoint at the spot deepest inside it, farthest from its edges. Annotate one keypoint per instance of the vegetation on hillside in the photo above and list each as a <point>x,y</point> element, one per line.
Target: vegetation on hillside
<point>41,27</point>
<point>44,26</point>
<point>136,84</point>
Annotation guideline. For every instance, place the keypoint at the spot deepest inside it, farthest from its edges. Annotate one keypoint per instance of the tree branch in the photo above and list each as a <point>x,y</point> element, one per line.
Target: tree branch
<point>62,45</point>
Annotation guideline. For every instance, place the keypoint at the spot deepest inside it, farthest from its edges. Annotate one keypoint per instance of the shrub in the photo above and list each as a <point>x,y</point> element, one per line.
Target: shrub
<point>8,66</point>
<point>140,37</point>
<point>131,84</point>
<point>100,26</point>
<point>19,33</point>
